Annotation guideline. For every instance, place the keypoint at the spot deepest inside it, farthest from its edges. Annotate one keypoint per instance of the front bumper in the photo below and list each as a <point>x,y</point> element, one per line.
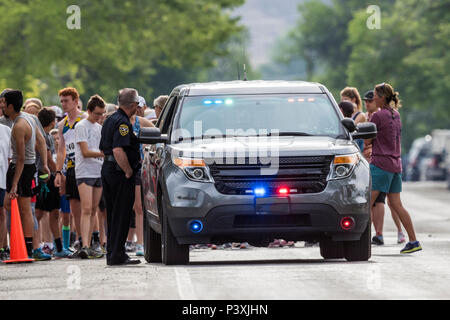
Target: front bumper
<point>227,218</point>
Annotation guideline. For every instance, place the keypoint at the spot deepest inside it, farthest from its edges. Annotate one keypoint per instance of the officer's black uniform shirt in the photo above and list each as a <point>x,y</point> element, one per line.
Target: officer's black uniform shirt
<point>117,131</point>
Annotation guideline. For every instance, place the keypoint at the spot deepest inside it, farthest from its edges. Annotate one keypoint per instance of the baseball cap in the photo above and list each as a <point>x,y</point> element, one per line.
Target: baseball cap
<point>142,102</point>
<point>150,114</point>
<point>368,95</point>
<point>58,111</point>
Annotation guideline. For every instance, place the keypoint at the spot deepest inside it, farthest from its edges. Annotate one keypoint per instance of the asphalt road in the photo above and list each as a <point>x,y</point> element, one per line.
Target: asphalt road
<point>263,273</point>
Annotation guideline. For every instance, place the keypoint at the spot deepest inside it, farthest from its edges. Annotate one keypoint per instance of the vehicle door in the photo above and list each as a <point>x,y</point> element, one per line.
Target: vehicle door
<point>154,158</point>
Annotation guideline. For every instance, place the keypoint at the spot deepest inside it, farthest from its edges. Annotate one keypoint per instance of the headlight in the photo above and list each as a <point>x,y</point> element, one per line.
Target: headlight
<point>194,169</point>
<point>343,166</point>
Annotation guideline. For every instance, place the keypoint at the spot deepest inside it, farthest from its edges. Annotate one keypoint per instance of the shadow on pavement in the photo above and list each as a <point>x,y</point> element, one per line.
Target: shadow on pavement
<point>275,261</point>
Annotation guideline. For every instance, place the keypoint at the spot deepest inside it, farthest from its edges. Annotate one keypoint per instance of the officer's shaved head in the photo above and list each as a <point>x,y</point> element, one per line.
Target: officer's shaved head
<point>127,97</point>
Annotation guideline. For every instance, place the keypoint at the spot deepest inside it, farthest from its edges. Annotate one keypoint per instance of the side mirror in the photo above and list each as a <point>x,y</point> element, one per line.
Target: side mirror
<point>151,136</point>
<point>349,124</point>
<point>365,130</point>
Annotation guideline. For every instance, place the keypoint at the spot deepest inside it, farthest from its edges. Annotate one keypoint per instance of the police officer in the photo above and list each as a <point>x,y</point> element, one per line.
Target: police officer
<point>122,161</point>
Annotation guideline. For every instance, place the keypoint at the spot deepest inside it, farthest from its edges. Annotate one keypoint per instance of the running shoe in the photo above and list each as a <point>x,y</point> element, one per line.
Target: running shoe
<point>83,253</point>
<point>139,250</point>
<point>3,254</point>
<point>75,255</point>
<point>290,244</point>
<point>130,246</point>
<point>38,255</point>
<point>77,245</point>
<point>244,245</point>
<point>400,238</point>
<point>275,244</point>
<point>213,247</point>
<point>378,240</point>
<point>93,253</point>
<point>64,253</point>
<point>47,250</point>
<point>235,245</point>
<point>226,245</point>
<point>98,249</point>
<point>411,247</point>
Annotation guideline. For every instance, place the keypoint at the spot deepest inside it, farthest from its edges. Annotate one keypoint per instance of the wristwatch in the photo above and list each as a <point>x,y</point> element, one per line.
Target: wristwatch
<point>58,172</point>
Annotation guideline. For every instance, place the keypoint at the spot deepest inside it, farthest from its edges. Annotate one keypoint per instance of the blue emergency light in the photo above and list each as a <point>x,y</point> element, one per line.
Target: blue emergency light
<point>196,226</point>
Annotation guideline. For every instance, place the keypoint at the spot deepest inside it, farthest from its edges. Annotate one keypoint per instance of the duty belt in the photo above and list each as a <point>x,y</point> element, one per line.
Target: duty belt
<point>110,158</point>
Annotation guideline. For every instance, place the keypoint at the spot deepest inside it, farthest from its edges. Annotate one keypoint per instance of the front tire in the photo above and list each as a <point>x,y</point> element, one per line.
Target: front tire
<point>360,250</point>
<point>330,249</point>
<point>152,243</point>
<point>172,252</point>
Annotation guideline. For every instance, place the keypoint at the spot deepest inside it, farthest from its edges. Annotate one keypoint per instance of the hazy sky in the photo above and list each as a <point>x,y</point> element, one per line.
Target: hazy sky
<point>266,20</point>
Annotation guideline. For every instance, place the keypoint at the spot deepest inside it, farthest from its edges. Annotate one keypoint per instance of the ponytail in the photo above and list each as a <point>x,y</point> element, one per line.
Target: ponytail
<point>391,97</point>
<point>395,99</point>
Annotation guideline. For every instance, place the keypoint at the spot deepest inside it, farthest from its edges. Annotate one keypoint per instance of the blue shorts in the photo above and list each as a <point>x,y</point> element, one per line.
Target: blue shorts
<point>65,204</point>
<point>384,181</point>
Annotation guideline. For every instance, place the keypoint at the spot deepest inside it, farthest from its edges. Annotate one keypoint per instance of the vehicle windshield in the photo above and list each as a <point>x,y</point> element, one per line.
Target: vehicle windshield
<point>248,115</point>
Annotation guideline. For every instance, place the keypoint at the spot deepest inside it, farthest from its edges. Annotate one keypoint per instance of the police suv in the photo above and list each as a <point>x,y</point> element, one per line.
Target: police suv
<point>253,161</point>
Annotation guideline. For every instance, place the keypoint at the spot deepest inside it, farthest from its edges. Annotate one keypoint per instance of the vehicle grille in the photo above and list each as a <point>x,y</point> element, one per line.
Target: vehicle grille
<point>303,174</point>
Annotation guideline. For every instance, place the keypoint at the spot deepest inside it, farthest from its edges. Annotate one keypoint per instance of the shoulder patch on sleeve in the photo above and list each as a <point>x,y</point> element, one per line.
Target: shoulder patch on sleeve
<point>123,130</point>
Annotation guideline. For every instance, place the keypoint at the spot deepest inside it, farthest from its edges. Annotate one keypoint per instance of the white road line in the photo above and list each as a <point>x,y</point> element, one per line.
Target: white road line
<point>184,284</point>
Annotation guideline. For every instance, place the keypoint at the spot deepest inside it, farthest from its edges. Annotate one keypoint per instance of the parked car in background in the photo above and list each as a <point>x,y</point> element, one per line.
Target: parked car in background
<point>405,161</point>
<point>419,153</point>
<point>436,168</point>
<point>447,160</point>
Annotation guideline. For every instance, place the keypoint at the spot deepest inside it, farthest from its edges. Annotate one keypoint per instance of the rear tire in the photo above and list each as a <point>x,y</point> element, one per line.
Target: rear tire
<point>360,250</point>
<point>330,249</point>
<point>172,252</point>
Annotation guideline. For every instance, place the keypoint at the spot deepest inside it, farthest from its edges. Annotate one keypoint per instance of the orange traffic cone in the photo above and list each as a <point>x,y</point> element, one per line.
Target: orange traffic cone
<point>17,241</point>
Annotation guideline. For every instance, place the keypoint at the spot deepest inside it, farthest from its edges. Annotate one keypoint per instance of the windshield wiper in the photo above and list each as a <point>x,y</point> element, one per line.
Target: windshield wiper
<point>202,137</point>
<point>289,133</point>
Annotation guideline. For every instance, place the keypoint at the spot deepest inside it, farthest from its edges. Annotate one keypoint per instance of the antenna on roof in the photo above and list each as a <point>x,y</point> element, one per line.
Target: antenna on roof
<point>245,74</point>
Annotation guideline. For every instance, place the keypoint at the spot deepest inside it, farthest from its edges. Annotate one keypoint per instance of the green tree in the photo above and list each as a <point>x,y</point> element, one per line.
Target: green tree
<point>411,52</point>
<point>131,43</point>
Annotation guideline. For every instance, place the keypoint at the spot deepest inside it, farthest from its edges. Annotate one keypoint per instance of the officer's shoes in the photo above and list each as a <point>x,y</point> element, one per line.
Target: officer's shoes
<point>125,262</point>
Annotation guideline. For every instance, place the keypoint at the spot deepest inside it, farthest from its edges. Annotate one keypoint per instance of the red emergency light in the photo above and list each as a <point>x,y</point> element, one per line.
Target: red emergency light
<point>347,223</point>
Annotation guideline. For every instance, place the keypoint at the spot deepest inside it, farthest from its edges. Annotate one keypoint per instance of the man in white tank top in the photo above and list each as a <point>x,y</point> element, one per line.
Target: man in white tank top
<point>25,138</point>
<point>66,150</point>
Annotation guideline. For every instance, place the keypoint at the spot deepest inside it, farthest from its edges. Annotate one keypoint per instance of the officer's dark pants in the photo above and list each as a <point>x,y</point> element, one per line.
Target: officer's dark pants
<point>119,197</point>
